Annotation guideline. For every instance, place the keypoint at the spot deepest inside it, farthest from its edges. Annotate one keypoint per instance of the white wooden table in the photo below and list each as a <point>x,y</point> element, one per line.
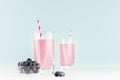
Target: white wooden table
<point>83,74</point>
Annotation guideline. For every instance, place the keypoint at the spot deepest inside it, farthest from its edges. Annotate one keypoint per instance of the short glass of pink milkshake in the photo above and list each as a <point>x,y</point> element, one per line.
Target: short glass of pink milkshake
<point>44,51</point>
<point>67,53</point>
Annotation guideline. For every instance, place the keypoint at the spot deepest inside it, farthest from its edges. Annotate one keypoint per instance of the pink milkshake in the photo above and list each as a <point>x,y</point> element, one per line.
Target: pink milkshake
<point>44,52</point>
<point>67,54</point>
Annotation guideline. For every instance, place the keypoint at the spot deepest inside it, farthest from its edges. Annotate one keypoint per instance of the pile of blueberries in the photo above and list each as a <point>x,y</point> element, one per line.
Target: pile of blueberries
<point>29,66</point>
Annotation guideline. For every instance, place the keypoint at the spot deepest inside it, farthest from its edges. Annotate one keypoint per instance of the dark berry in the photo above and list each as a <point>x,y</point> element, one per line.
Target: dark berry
<point>56,74</point>
<point>35,63</point>
<point>30,64</point>
<point>19,64</point>
<point>27,70</point>
<point>24,63</point>
<point>29,59</point>
<point>22,69</point>
<point>35,70</point>
<point>59,74</point>
<point>38,66</point>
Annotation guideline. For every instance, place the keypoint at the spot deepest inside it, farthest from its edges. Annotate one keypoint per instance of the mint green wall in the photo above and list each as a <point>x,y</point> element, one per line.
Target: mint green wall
<point>95,24</point>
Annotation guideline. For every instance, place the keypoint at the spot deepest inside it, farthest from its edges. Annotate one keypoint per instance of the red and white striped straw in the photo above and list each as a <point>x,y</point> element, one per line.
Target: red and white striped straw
<point>70,34</point>
<point>38,22</point>
<point>39,27</point>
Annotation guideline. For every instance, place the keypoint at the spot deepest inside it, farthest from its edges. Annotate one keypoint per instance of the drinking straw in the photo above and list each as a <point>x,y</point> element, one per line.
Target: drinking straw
<point>70,34</point>
<point>39,27</point>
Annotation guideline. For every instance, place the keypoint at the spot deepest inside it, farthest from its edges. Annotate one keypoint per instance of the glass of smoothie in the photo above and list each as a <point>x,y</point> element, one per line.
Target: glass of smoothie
<point>67,53</point>
<point>44,51</point>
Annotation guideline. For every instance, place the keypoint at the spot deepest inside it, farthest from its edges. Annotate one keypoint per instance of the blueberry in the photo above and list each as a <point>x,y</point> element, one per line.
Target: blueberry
<point>31,64</point>
<point>37,64</point>
<point>29,59</point>
<point>22,69</point>
<point>56,74</point>
<point>59,74</point>
<point>24,63</point>
<point>27,70</point>
<point>28,64</point>
<point>38,67</point>
<point>35,70</point>
<point>34,63</point>
<point>19,64</point>
<point>35,67</point>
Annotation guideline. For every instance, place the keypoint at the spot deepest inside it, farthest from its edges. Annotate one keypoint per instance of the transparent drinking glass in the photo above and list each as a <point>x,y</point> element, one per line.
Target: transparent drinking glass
<point>44,53</point>
<point>67,55</point>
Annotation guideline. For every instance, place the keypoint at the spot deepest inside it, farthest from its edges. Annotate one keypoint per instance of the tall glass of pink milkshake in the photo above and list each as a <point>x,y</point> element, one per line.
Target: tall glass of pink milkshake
<point>44,52</point>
